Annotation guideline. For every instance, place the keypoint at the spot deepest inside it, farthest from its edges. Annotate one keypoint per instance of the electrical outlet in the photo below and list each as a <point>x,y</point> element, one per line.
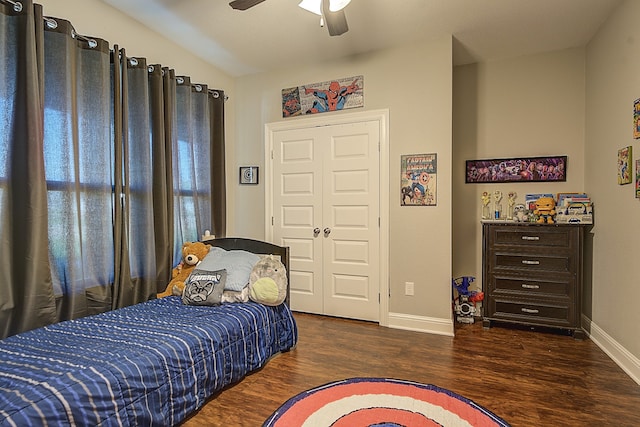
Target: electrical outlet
<point>408,288</point>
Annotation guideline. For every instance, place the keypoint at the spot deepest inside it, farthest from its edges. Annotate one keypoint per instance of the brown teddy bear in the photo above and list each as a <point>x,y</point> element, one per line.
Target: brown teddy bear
<point>192,254</point>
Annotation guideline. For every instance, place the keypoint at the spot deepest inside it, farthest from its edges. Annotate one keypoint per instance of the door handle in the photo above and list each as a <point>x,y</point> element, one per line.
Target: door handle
<point>316,231</point>
<point>327,231</point>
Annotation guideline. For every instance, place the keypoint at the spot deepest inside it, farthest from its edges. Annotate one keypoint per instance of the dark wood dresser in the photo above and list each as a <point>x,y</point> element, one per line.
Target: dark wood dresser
<point>532,274</point>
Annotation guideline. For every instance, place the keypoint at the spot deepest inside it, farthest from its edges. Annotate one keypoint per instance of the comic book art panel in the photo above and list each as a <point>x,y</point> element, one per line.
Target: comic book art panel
<point>322,97</point>
<point>418,179</point>
<point>624,165</point>
<point>517,169</point>
<point>636,119</point>
<point>638,179</point>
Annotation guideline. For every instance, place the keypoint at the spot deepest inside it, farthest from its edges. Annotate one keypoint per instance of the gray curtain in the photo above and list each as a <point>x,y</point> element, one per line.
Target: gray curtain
<point>25,278</point>
<point>78,164</point>
<point>107,166</point>
<point>218,181</point>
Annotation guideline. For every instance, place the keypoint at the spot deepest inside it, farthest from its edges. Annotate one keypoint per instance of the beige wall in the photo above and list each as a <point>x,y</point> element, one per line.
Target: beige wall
<point>613,83</point>
<point>97,19</point>
<point>414,83</point>
<point>523,107</point>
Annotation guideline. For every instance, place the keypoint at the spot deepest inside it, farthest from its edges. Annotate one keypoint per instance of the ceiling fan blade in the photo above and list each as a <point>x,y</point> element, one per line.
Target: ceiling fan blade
<point>244,4</point>
<point>336,21</point>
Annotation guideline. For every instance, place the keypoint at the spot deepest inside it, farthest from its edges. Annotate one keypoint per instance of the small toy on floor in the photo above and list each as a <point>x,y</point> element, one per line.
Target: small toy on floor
<point>465,302</point>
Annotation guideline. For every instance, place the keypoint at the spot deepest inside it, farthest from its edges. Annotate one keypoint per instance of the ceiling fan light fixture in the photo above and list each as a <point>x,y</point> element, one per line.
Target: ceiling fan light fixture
<point>336,5</point>
<point>314,6</point>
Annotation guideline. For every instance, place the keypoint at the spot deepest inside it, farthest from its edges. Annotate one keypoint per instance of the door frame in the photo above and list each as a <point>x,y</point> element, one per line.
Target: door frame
<point>382,117</point>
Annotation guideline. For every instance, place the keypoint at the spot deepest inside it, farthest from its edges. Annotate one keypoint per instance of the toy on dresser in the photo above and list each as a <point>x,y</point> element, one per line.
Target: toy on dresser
<point>545,210</point>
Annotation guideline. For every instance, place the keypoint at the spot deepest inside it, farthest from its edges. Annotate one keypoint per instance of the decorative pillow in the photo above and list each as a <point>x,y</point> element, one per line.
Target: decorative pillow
<point>204,287</point>
<point>237,263</point>
<point>268,282</point>
<point>235,296</point>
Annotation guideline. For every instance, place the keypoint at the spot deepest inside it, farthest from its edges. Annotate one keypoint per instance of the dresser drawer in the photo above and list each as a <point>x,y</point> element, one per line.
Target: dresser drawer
<point>533,262</point>
<point>532,274</point>
<point>532,237</point>
<point>540,313</point>
<point>533,287</point>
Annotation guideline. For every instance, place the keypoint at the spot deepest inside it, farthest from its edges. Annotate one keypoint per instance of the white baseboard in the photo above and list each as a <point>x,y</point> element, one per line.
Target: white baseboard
<point>430,325</point>
<point>620,355</point>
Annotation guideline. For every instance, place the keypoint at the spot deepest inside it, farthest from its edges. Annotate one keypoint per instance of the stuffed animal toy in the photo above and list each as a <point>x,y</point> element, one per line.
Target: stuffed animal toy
<point>192,254</point>
<point>268,282</point>
<point>545,210</point>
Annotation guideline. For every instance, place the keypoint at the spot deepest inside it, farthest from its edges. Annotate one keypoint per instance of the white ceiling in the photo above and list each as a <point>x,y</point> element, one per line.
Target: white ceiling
<point>277,33</point>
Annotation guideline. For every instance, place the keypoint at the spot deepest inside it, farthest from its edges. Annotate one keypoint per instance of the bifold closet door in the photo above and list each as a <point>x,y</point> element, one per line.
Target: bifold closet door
<point>326,208</point>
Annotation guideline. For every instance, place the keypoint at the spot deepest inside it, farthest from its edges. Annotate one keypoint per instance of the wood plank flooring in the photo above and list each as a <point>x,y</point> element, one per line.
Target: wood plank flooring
<point>528,378</point>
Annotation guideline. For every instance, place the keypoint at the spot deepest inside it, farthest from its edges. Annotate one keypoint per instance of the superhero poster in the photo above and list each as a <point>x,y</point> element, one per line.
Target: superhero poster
<point>636,119</point>
<point>418,173</point>
<point>322,97</point>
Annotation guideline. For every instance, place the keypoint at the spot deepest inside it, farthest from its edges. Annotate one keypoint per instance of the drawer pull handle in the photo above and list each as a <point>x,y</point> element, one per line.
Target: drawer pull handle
<point>529,262</point>
<point>530,237</point>
<point>528,286</point>
<point>530,310</point>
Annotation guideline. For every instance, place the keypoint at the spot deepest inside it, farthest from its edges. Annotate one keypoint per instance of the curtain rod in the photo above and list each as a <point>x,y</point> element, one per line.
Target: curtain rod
<point>53,24</point>
<point>17,6</point>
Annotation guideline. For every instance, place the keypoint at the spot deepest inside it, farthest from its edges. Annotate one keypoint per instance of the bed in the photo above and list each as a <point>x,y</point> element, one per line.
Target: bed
<point>152,363</point>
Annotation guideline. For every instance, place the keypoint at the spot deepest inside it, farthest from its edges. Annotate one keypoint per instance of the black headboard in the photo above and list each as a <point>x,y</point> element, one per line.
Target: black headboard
<point>257,247</point>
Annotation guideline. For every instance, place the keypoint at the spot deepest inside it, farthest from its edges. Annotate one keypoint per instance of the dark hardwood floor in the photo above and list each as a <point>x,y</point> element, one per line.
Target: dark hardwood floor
<point>527,378</point>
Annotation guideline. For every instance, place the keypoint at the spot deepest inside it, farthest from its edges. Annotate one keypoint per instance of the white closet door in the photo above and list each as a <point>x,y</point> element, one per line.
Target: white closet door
<point>350,212</point>
<point>297,211</point>
<point>326,208</point>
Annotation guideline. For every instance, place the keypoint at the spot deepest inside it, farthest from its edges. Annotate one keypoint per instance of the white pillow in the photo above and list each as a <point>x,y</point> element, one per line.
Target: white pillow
<point>237,263</point>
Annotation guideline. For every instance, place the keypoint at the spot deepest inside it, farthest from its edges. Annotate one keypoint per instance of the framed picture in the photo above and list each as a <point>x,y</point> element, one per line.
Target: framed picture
<point>418,179</point>
<point>636,119</point>
<point>332,95</point>
<point>517,169</point>
<point>248,174</point>
<point>637,179</point>
<point>624,165</point>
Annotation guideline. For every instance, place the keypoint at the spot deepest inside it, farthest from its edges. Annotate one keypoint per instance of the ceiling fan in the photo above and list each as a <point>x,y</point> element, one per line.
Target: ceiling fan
<point>331,12</point>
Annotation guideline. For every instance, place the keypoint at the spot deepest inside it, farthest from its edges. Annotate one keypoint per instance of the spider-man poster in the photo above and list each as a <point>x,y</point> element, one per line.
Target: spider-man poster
<point>322,97</point>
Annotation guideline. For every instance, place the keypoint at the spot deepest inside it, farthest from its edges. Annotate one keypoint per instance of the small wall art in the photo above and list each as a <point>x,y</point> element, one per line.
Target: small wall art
<point>638,179</point>
<point>518,169</point>
<point>332,95</point>
<point>624,165</point>
<point>248,174</point>
<point>418,176</point>
<point>636,119</point>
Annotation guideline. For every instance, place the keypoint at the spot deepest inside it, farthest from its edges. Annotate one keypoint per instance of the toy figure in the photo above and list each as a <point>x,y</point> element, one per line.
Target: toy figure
<point>465,303</point>
<point>520,213</point>
<point>545,210</point>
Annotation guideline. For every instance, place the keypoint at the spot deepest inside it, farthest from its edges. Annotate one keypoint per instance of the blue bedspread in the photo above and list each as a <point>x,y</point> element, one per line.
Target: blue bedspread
<point>149,364</point>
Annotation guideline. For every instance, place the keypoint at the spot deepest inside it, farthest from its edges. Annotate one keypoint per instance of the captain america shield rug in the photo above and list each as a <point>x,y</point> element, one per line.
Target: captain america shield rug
<point>381,402</point>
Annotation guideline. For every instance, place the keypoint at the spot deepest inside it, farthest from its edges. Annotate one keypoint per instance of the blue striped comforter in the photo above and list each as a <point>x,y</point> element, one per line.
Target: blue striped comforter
<point>149,364</point>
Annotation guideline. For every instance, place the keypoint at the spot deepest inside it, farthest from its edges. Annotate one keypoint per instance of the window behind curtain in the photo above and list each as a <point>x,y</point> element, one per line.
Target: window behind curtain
<point>78,164</point>
<point>103,172</point>
<point>7,107</point>
<point>192,164</point>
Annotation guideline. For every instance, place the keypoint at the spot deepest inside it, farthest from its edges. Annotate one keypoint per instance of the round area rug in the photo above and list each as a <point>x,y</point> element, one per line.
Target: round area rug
<point>380,402</point>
